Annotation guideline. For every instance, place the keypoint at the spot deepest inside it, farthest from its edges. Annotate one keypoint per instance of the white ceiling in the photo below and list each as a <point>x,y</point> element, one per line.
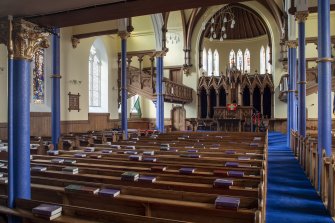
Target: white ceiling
<point>40,7</point>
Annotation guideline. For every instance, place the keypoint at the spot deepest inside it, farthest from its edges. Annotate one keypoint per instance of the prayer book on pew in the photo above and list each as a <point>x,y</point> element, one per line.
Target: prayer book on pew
<point>223,183</point>
<point>243,158</point>
<point>70,169</point>
<point>89,149</point>
<point>186,170</point>
<point>137,139</point>
<point>70,162</point>
<point>254,144</point>
<point>38,168</point>
<point>108,192</point>
<point>81,189</point>
<point>165,145</point>
<point>257,138</point>
<point>215,145</point>
<point>3,180</point>
<point>131,152</point>
<point>230,152</point>
<point>95,156</point>
<point>80,155</point>
<point>235,173</point>
<point>192,151</point>
<point>131,147</point>
<point>231,164</point>
<point>165,148</point>
<point>149,153</point>
<point>106,151</point>
<point>50,218</point>
<point>47,209</point>
<point>226,202</point>
<point>53,152</point>
<point>190,155</point>
<point>135,157</point>
<point>158,168</point>
<point>116,146</point>
<point>147,179</point>
<point>130,176</point>
<point>57,160</point>
<point>150,159</point>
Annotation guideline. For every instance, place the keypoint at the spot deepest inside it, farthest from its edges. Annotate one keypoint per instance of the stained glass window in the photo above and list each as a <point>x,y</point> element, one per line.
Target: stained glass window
<point>94,69</point>
<point>210,63</point>
<point>239,58</point>
<point>216,63</point>
<point>232,58</point>
<point>38,77</point>
<point>204,60</point>
<point>247,61</point>
<point>262,61</point>
<point>268,59</point>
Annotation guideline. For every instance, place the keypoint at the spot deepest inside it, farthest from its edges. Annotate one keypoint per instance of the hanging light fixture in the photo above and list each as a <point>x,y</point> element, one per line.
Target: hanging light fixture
<point>219,22</point>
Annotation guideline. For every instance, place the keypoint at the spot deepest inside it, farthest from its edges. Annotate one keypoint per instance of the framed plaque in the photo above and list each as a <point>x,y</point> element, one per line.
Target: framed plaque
<point>74,102</point>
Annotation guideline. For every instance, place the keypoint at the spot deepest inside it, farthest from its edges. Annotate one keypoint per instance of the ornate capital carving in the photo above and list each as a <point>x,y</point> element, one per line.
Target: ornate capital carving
<point>28,38</point>
<point>124,34</point>
<point>301,16</point>
<point>292,44</point>
<point>162,53</point>
<point>75,41</point>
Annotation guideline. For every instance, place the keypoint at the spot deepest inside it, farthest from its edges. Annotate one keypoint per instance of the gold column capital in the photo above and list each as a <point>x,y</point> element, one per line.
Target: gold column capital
<point>292,44</point>
<point>28,38</point>
<point>123,34</point>
<point>301,16</point>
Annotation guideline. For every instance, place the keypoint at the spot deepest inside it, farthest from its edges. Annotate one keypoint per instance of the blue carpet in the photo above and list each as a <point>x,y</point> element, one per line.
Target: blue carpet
<point>291,198</point>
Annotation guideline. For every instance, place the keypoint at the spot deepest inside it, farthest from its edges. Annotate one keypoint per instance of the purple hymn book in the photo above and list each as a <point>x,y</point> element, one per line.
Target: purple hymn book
<point>231,164</point>
<point>230,152</point>
<point>106,151</point>
<point>223,183</point>
<point>47,209</point>
<point>235,173</point>
<point>150,179</point>
<point>89,149</point>
<point>135,158</point>
<point>227,202</point>
<point>186,170</point>
<point>131,152</point>
<point>150,159</point>
<point>106,192</point>
<point>53,152</point>
<point>192,151</point>
<point>79,155</point>
<point>57,160</point>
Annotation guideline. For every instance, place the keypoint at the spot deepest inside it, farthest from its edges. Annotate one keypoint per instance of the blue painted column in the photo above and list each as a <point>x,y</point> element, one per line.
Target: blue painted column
<point>301,17</point>
<point>324,81</point>
<point>55,109</point>
<point>25,35</point>
<point>159,93</point>
<point>124,93</point>
<point>10,167</point>
<point>292,82</point>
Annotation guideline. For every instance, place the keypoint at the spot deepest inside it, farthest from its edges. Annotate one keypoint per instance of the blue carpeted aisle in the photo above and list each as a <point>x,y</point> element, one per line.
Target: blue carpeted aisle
<point>291,197</point>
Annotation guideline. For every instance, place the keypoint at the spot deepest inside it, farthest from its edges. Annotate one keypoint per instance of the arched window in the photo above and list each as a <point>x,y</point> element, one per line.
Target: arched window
<point>268,59</point>
<point>232,58</point>
<point>94,71</point>
<point>204,60</point>
<point>239,58</point>
<point>247,61</point>
<point>262,60</point>
<point>210,63</point>
<point>38,77</point>
<point>98,77</point>
<point>216,63</point>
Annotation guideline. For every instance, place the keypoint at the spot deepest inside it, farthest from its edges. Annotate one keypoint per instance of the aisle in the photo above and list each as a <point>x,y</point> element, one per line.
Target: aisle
<point>291,197</point>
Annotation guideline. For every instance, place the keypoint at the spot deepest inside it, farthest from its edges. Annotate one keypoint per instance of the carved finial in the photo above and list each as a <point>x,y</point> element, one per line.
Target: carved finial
<point>28,38</point>
<point>124,34</point>
<point>75,41</point>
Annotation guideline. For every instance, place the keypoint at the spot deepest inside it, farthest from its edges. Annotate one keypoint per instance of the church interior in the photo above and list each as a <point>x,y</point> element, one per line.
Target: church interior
<point>176,111</point>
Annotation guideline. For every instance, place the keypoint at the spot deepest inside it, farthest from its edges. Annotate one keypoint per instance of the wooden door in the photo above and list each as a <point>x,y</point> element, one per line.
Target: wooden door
<point>178,117</point>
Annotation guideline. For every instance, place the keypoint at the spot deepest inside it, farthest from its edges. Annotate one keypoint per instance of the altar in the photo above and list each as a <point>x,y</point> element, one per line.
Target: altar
<point>236,119</point>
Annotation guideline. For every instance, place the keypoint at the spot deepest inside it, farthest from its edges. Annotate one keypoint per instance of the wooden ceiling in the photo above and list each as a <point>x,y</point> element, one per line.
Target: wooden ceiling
<point>247,24</point>
<point>123,9</point>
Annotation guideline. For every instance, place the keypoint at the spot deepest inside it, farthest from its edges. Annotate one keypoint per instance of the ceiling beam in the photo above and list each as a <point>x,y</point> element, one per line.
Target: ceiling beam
<point>129,8</point>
